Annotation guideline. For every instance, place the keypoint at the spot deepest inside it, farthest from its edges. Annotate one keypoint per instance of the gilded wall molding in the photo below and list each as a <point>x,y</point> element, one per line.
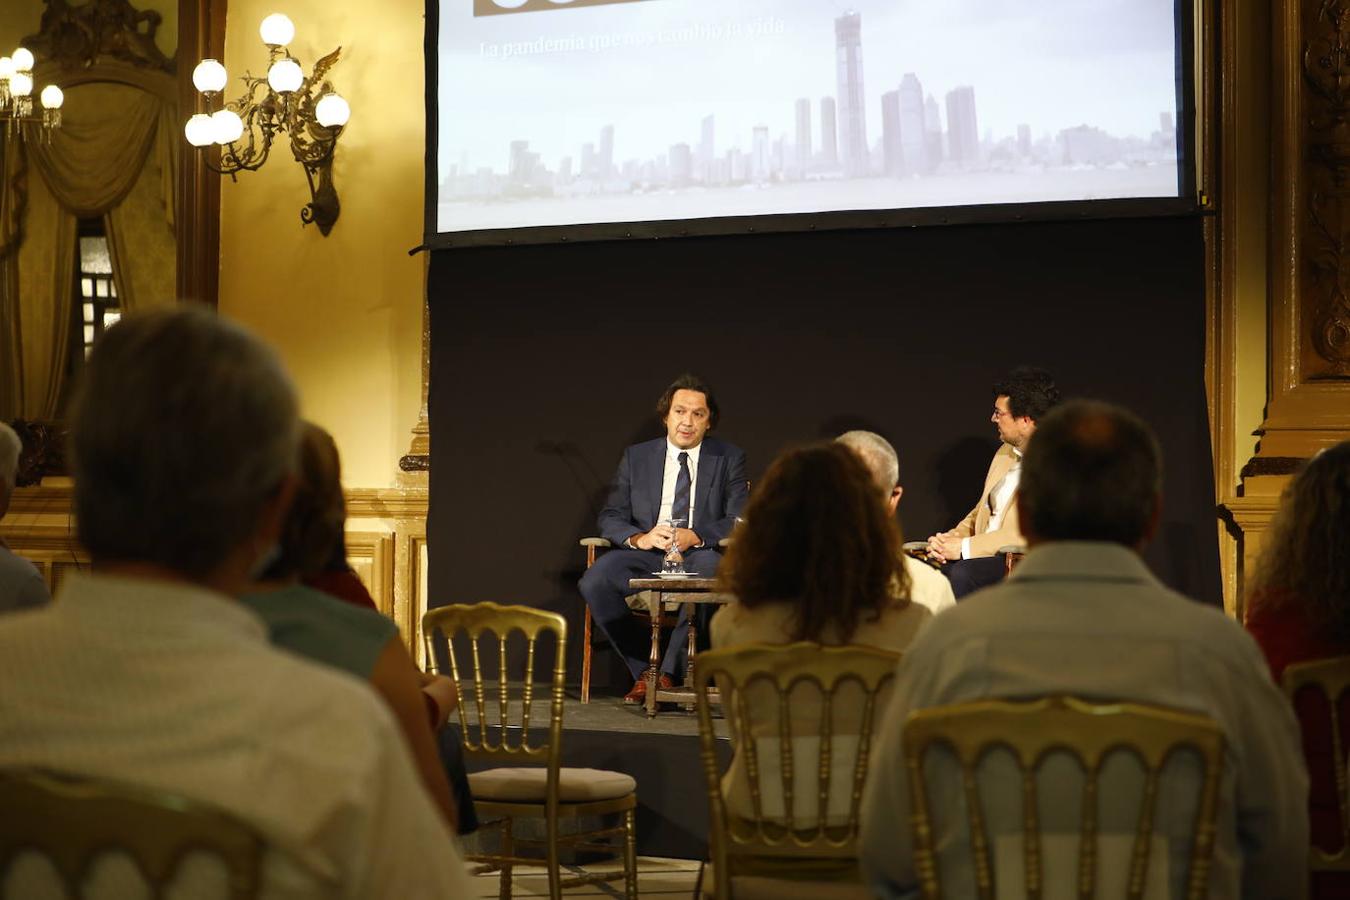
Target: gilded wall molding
<point>386,544</point>
<point>1326,124</point>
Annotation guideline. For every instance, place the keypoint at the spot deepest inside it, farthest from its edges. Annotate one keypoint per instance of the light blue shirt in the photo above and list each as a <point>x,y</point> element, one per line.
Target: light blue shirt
<point>1090,619</point>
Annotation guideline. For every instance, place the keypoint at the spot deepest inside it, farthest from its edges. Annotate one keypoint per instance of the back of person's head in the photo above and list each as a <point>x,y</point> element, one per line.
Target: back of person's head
<point>1306,560</point>
<point>318,511</point>
<point>878,455</point>
<point>183,430</point>
<point>10,449</point>
<point>1031,392</point>
<point>815,536</point>
<point>1092,472</point>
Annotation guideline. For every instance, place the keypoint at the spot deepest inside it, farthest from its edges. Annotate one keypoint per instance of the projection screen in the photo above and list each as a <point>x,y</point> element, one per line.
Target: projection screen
<point>583,119</point>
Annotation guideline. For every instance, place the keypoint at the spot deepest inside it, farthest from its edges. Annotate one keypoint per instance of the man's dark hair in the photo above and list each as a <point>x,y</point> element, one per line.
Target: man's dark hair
<point>688,382</point>
<point>1031,392</point>
<point>1092,472</point>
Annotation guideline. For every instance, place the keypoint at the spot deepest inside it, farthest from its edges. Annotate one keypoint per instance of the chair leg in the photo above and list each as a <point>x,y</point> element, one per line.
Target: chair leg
<point>508,850</point>
<point>551,855</point>
<point>586,659</point>
<point>630,885</point>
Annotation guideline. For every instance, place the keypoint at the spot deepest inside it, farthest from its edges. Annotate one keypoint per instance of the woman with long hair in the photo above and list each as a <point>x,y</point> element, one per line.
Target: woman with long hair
<point>817,559</point>
<point>1298,609</point>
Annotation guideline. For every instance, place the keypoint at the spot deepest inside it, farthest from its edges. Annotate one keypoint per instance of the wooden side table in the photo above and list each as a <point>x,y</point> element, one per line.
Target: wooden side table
<point>687,592</point>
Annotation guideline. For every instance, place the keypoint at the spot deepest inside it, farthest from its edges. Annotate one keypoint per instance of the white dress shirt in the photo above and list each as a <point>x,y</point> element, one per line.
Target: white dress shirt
<point>1089,619</point>
<point>999,500</point>
<point>175,688</point>
<point>672,471</point>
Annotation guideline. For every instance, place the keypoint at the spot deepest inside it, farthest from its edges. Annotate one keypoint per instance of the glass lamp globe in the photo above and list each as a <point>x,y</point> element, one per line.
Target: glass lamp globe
<point>23,60</point>
<point>199,130</point>
<point>209,76</point>
<point>6,68</point>
<point>226,126</point>
<point>285,76</point>
<point>277,30</point>
<point>21,84</point>
<point>52,97</point>
<point>332,111</point>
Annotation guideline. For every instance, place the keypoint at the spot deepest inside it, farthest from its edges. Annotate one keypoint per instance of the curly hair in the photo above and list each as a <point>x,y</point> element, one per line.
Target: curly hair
<point>1304,562</point>
<point>1031,392</point>
<point>816,536</point>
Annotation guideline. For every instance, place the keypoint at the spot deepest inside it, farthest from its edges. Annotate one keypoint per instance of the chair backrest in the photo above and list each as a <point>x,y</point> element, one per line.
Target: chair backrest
<point>73,821</point>
<point>505,736</point>
<point>1332,678</point>
<point>803,719</point>
<point>1090,732</point>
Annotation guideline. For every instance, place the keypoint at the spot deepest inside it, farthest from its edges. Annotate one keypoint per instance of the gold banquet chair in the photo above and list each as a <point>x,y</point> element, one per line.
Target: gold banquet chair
<point>784,821</point>
<point>1091,732</point>
<point>534,784</point>
<point>72,822</point>
<point>1331,678</point>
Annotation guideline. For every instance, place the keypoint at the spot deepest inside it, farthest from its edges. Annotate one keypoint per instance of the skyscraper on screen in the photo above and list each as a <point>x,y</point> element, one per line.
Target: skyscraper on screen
<point>891,152</point>
<point>912,130</point>
<point>803,108</point>
<point>829,147</point>
<point>963,137</point>
<point>852,101</point>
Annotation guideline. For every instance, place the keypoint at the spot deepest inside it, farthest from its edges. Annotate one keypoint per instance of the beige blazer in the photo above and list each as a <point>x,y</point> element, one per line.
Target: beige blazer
<point>977,520</point>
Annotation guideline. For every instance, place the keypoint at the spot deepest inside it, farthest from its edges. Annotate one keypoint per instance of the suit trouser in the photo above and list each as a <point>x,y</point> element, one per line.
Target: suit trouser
<point>969,575</point>
<point>605,585</point>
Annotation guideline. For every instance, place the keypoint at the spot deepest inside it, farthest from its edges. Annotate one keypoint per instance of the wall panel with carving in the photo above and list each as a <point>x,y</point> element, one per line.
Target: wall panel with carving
<point>386,544</point>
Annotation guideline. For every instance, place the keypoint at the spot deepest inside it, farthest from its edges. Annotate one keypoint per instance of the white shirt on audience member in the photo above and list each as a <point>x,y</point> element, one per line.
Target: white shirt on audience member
<point>927,586</point>
<point>175,688</point>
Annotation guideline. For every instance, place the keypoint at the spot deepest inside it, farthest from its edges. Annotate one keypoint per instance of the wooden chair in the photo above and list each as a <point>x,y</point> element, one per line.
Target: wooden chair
<point>73,821</point>
<point>1012,555</point>
<point>1331,677</point>
<point>638,603</point>
<point>1032,730</point>
<point>784,822</point>
<point>545,789</point>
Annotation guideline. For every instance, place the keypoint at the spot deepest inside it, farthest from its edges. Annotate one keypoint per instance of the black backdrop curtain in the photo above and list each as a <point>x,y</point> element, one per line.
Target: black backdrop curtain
<point>547,360</point>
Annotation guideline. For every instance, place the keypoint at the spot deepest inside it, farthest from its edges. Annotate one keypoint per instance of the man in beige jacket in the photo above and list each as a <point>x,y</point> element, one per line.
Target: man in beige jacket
<point>969,551</point>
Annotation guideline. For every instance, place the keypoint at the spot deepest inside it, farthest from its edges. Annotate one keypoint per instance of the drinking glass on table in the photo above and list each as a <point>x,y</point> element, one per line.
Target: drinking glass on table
<point>673,563</point>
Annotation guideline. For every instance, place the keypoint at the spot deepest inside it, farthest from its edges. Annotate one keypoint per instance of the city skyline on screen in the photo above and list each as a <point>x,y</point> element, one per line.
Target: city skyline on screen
<point>673,109</point>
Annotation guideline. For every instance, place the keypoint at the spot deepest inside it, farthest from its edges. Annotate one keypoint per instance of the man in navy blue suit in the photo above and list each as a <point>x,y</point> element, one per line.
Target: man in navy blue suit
<point>684,476</point>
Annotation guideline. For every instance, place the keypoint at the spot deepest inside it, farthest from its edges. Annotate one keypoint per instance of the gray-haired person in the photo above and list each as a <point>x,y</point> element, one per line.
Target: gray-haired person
<point>148,671</point>
<point>1083,615</point>
<point>21,585</point>
<point>926,584</point>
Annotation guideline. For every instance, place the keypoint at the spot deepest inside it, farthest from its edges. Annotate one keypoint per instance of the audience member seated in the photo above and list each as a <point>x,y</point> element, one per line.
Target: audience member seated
<point>21,584</point>
<point>816,559</point>
<point>1083,615</point>
<point>968,550</point>
<point>148,671</point>
<point>926,584</point>
<point>326,630</point>
<point>1299,610</point>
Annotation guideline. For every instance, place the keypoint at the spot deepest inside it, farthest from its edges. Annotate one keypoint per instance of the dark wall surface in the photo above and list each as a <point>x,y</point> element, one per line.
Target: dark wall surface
<point>548,360</point>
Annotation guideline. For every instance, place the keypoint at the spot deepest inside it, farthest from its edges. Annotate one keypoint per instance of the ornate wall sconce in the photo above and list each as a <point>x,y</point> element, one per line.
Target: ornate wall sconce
<point>16,97</point>
<point>305,109</point>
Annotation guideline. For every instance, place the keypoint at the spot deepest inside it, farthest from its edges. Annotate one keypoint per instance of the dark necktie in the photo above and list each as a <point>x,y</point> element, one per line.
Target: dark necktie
<point>679,509</point>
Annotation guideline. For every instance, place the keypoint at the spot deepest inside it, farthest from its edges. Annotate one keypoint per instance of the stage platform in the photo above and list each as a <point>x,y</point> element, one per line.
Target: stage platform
<point>660,753</point>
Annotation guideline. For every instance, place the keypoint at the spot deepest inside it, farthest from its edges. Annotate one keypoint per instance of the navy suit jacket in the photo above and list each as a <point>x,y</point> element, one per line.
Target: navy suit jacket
<point>720,491</point>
